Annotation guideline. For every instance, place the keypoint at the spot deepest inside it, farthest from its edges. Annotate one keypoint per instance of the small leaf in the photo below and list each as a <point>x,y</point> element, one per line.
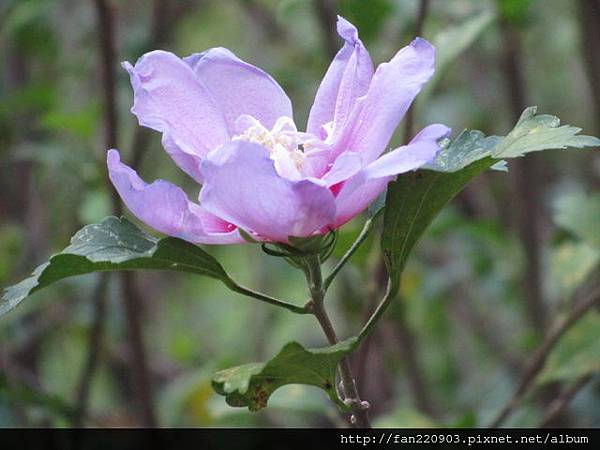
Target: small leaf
<point>114,244</point>
<point>415,199</point>
<point>251,385</point>
<point>577,354</point>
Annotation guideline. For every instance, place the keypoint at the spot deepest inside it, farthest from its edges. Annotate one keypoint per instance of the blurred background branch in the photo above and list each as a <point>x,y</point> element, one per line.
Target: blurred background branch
<point>132,301</point>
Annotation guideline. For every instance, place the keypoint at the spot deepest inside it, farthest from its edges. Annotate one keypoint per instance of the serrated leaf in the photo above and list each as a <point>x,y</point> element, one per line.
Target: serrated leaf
<point>251,385</point>
<point>532,133</point>
<point>535,132</point>
<point>114,244</point>
<point>415,199</point>
<point>469,146</point>
<point>577,354</point>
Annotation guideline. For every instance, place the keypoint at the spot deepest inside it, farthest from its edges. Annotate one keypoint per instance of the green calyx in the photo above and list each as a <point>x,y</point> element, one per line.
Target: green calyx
<point>299,248</point>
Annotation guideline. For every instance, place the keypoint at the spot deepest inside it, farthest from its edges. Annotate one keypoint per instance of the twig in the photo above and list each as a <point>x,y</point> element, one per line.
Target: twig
<point>160,23</point>
<point>589,18</point>
<point>361,357</point>
<point>110,141</point>
<point>94,347</point>
<point>539,358</point>
<point>405,335</point>
<point>265,19</point>
<point>159,32</point>
<point>360,416</point>
<point>139,364</point>
<point>28,205</point>
<point>107,59</point>
<point>559,404</point>
<point>417,379</point>
<point>326,11</point>
<point>486,329</point>
<point>409,118</point>
<point>131,297</point>
<point>360,360</point>
<point>527,179</point>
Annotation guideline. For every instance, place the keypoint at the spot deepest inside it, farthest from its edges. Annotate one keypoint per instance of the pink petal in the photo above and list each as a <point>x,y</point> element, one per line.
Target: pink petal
<point>394,86</point>
<point>240,88</point>
<point>166,208</point>
<point>345,166</point>
<point>421,150</point>
<point>347,79</point>
<point>168,97</point>
<point>358,192</point>
<point>243,187</point>
<point>356,195</point>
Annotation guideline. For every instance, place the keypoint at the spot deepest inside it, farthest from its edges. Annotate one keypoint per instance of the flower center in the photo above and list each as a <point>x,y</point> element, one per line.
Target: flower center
<point>283,141</point>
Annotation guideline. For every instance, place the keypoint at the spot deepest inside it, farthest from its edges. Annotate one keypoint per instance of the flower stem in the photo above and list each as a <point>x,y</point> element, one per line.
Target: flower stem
<point>359,408</point>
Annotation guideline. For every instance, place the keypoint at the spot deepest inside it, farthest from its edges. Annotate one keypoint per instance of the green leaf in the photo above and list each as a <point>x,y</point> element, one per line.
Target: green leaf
<point>577,354</point>
<point>251,385</point>
<point>468,147</point>
<point>114,244</point>
<point>532,133</point>
<point>415,199</point>
<point>535,132</point>
<point>580,214</point>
